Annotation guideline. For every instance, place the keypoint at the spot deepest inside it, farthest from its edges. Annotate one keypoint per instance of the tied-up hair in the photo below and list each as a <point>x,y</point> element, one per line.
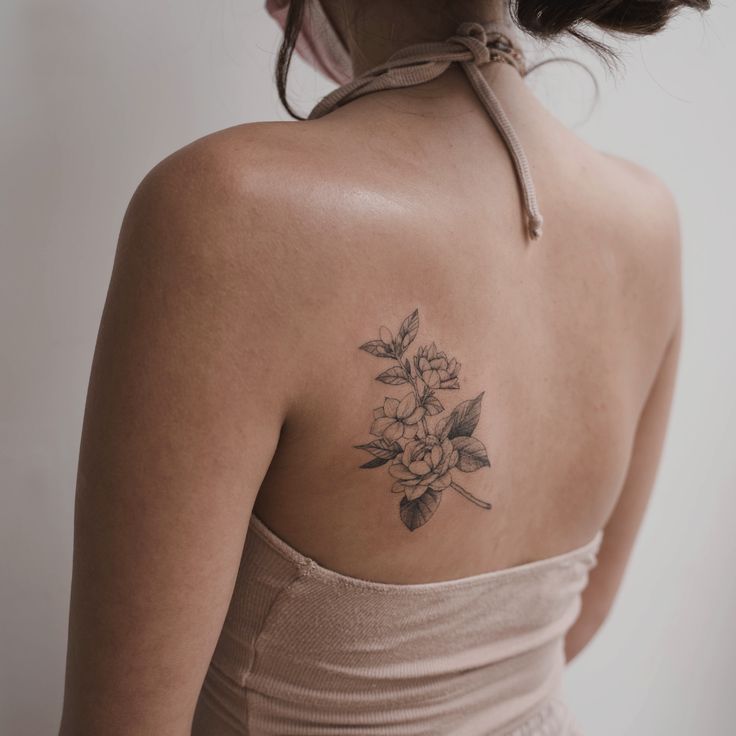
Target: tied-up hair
<point>550,18</point>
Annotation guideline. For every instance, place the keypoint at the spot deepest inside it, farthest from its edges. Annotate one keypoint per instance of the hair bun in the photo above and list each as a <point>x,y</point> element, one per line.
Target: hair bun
<point>548,18</point>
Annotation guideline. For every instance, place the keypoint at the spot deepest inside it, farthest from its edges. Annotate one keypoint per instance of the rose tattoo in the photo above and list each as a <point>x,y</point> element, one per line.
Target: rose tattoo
<point>423,448</point>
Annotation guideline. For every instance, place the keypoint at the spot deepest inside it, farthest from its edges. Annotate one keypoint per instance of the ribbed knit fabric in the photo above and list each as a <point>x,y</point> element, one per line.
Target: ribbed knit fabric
<point>307,651</point>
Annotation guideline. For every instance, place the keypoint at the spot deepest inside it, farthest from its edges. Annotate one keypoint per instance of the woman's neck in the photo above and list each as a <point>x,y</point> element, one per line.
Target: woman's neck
<point>373,31</point>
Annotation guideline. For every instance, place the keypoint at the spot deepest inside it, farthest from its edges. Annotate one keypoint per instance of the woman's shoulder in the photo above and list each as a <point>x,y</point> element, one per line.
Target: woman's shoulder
<point>281,197</point>
<point>233,197</point>
<point>263,176</point>
<point>233,164</point>
<point>646,227</point>
<point>652,203</point>
<point>653,213</point>
<point>213,232</point>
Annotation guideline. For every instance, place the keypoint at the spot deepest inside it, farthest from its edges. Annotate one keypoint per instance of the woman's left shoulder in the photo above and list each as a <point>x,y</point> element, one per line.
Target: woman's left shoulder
<point>240,165</point>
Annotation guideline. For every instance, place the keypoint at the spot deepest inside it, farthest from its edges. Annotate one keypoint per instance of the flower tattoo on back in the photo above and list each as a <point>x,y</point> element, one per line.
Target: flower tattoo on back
<point>423,448</point>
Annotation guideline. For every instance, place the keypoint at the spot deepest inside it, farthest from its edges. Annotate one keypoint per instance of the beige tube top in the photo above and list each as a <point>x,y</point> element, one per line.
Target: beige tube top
<point>305,650</point>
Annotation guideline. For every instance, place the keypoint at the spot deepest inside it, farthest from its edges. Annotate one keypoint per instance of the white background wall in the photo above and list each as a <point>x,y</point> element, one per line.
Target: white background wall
<point>93,94</point>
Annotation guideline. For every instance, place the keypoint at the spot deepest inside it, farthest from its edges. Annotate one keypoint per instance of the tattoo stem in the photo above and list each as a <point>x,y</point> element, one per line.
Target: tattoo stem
<point>416,392</point>
<point>470,496</point>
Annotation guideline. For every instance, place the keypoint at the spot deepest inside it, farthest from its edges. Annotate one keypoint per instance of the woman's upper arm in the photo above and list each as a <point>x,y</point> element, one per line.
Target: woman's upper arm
<point>623,524</point>
<point>186,399</point>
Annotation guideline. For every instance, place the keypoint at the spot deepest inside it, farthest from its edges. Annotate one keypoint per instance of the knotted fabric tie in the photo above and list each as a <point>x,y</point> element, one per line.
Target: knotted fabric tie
<point>472,46</point>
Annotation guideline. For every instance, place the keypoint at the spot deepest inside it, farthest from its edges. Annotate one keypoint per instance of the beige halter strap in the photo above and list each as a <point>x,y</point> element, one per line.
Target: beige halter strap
<point>472,46</point>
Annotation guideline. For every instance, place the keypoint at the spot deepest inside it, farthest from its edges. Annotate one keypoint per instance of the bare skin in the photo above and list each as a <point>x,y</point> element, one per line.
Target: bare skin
<point>227,376</point>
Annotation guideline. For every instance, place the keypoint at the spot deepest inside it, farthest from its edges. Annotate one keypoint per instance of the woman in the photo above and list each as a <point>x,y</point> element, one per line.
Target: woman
<point>373,393</point>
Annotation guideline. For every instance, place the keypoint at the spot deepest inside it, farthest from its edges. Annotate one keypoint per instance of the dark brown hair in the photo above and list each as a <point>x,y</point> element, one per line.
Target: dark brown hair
<point>544,19</point>
<point>550,18</point>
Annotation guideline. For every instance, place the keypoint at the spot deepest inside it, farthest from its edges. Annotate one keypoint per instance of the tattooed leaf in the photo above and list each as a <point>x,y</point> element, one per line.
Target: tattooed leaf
<point>383,449</point>
<point>375,463</point>
<point>471,453</point>
<point>443,426</point>
<point>393,376</point>
<point>377,348</point>
<point>408,330</point>
<point>462,420</point>
<point>433,405</point>
<point>418,512</point>
<point>407,365</point>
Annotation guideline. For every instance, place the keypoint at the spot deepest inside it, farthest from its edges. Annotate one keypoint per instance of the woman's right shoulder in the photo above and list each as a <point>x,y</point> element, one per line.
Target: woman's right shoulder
<point>652,206</point>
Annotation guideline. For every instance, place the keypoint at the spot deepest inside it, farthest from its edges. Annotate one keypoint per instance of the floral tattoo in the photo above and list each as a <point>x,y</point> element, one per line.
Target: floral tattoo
<point>422,457</point>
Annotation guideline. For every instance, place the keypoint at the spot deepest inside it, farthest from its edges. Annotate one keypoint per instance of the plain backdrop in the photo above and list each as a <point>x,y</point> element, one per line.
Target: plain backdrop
<point>93,94</point>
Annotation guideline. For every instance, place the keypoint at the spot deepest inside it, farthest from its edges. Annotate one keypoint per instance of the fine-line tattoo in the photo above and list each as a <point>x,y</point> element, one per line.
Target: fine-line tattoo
<point>422,456</point>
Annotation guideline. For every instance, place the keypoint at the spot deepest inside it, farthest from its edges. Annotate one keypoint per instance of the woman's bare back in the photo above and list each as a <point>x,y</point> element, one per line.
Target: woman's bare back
<point>407,201</point>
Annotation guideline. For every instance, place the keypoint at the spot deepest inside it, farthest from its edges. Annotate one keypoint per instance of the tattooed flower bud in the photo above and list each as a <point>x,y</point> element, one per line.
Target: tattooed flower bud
<point>435,369</point>
<point>425,463</point>
<point>397,419</point>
